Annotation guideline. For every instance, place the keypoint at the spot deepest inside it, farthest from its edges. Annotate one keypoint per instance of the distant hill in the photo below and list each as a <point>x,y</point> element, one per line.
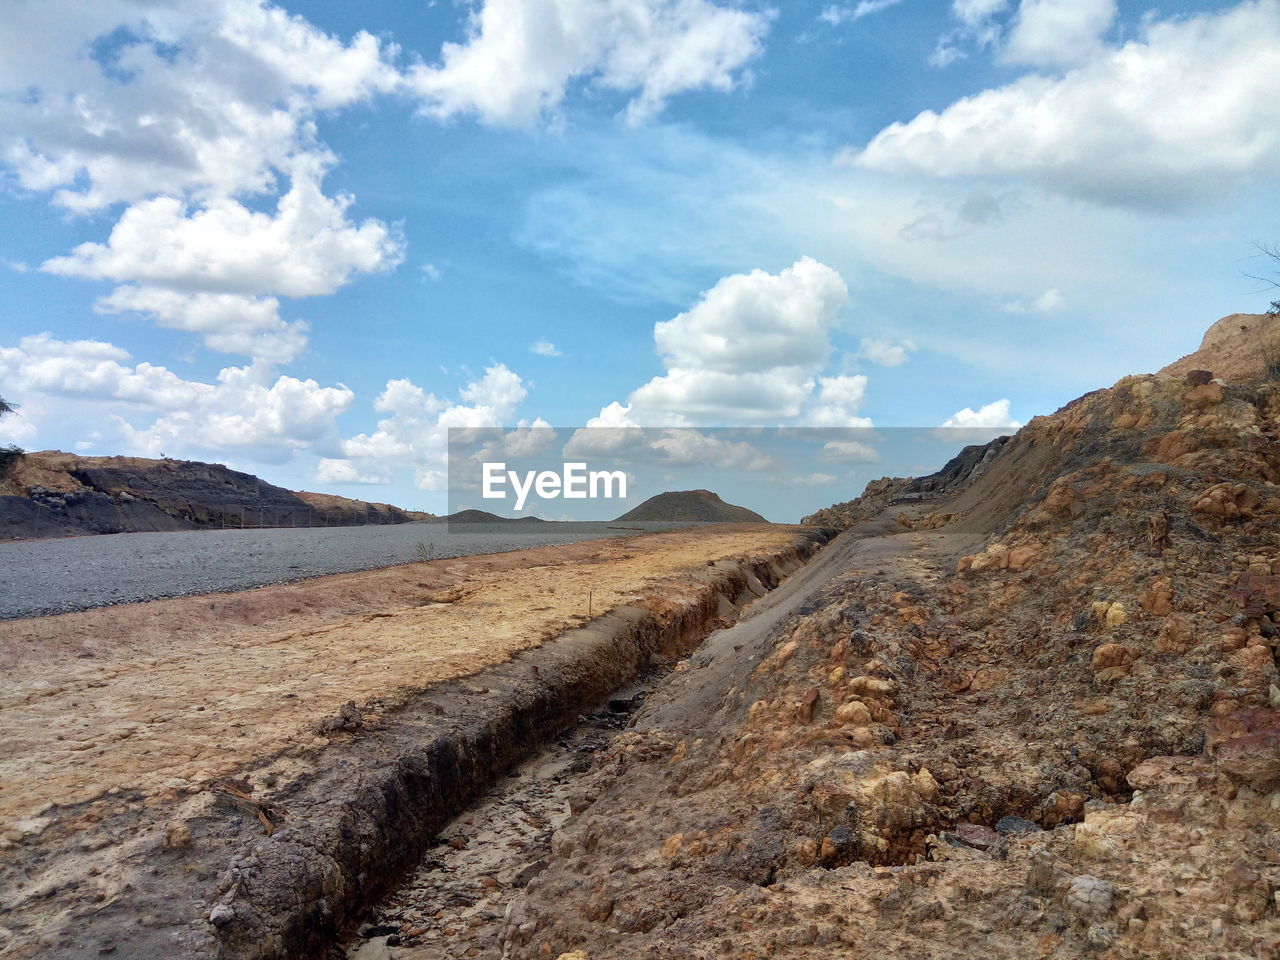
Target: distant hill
<point>484,516</point>
<point>692,506</point>
<point>55,494</point>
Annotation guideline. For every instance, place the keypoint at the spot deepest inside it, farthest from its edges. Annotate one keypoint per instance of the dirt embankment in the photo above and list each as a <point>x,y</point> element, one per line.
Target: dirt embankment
<point>1040,717</point>
<point>55,494</point>
<point>153,748</point>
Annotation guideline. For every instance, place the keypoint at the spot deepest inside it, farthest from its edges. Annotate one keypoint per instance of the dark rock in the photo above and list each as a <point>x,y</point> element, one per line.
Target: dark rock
<point>977,836</point>
<point>1011,825</point>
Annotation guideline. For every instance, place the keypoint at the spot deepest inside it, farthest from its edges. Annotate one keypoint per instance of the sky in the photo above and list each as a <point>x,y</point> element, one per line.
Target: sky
<point>306,239</point>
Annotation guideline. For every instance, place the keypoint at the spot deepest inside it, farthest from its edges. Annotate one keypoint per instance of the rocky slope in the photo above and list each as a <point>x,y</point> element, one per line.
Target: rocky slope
<point>1238,347</point>
<point>955,475</point>
<point>1039,717</point>
<point>691,506</point>
<point>54,494</point>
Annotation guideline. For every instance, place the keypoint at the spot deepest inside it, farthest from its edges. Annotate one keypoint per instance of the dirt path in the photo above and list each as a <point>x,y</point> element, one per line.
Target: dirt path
<point>453,906</point>
<point>155,695</point>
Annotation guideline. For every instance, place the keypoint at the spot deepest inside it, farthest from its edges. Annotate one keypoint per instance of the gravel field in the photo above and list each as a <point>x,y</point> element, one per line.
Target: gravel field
<point>78,573</point>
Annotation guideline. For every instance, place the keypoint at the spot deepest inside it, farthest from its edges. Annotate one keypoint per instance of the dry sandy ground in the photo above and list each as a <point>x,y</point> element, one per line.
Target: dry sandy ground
<point>190,689</point>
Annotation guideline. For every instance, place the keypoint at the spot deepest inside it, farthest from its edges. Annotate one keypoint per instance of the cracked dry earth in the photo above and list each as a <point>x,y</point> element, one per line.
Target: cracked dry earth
<point>1039,720</point>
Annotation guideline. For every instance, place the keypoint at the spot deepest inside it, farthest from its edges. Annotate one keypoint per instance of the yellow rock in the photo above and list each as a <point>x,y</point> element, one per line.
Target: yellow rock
<point>1116,615</point>
<point>1104,833</point>
<point>855,712</point>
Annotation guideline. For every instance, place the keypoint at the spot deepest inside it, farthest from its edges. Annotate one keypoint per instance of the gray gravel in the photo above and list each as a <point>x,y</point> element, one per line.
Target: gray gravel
<point>78,573</point>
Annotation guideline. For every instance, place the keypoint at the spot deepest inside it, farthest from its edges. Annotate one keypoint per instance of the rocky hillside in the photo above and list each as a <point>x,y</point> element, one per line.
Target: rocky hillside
<point>54,494</point>
<point>691,506</point>
<point>1036,717</point>
<point>955,475</point>
<point>1239,347</point>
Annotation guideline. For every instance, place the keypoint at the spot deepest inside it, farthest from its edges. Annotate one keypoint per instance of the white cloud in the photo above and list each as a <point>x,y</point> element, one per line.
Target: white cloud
<point>849,451</point>
<point>544,348</point>
<point>247,410</point>
<point>521,55</point>
<point>804,480</point>
<point>1051,301</point>
<point>1057,32</point>
<point>329,470</point>
<point>208,98</point>
<point>1177,116</point>
<point>229,323</point>
<point>690,447</point>
<point>154,409</point>
<point>181,111</point>
<point>993,416</point>
<point>748,350</point>
<point>837,15</point>
<point>974,12</point>
<point>607,433</point>
<point>17,427</point>
<point>92,370</point>
<point>837,402</point>
<point>886,353</point>
<point>308,248</point>
<point>414,435</point>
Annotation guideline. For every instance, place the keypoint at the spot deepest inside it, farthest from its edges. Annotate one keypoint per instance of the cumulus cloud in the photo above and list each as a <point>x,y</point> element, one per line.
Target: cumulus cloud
<point>973,12</point>
<point>520,56</point>
<point>1178,115</point>
<point>181,111</point>
<point>1057,32</point>
<point>686,447</point>
<point>837,403</point>
<point>154,409</point>
<point>414,434</point>
<point>228,322</point>
<point>993,416</point>
<point>307,248</point>
<point>208,98</point>
<point>748,351</point>
<point>544,348</point>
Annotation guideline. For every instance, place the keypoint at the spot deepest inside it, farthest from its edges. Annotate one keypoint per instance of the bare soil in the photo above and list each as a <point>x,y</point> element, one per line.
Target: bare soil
<point>237,775</point>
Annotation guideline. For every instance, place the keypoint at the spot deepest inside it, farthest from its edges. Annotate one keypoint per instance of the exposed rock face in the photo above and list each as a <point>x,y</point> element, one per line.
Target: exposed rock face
<point>957,473</point>
<point>1237,348</point>
<point>692,506</point>
<point>53,494</point>
<point>1045,729</point>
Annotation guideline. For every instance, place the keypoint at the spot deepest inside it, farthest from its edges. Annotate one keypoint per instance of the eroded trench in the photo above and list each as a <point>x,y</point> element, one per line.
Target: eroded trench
<point>425,846</point>
<point>452,904</point>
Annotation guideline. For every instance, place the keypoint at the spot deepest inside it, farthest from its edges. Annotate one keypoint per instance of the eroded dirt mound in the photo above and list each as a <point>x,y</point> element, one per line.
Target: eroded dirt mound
<point>55,494</point>
<point>1048,727</point>
<point>692,506</point>
<point>1237,348</point>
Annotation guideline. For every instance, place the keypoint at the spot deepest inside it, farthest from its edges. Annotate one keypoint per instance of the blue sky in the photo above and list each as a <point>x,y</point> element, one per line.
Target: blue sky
<point>305,239</point>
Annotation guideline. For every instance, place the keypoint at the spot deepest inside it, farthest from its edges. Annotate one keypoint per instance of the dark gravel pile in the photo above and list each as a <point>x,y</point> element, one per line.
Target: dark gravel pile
<point>78,573</point>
